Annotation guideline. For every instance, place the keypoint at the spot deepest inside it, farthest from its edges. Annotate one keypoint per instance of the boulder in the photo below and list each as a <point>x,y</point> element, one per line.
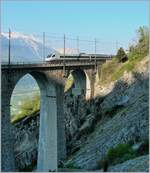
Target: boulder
<point>87,126</point>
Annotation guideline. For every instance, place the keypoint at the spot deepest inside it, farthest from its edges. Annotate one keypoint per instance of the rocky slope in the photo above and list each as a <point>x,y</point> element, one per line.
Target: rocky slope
<point>26,134</point>
<point>117,114</point>
<point>122,116</point>
<point>139,164</point>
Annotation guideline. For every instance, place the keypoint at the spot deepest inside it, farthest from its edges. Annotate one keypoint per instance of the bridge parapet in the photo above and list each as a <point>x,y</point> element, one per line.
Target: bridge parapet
<point>57,63</point>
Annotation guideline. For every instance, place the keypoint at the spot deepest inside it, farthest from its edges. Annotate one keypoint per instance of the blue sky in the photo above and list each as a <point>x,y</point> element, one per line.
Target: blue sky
<point>106,20</point>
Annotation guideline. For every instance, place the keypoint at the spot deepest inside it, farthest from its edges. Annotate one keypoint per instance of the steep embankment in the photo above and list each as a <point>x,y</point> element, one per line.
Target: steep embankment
<point>122,115</point>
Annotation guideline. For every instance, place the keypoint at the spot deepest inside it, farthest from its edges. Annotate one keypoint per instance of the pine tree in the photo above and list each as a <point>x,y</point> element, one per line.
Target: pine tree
<point>121,55</point>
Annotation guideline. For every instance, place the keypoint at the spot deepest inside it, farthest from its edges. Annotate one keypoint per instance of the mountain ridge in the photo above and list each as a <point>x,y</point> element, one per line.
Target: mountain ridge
<point>24,47</point>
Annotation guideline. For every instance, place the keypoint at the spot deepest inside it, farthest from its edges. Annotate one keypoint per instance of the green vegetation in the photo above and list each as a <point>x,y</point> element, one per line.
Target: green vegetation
<point>28,107</point>
<point>118,154</point>
<point>106,70</point>
<point>69,83</point>
<point>114,69</point>
<point>121,55</point>
<point>141,49</point>
<point>129,66</point>
<point>123,152</point>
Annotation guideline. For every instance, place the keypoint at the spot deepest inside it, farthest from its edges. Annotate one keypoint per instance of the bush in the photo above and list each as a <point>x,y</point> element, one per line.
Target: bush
<point>121,55</point>
<point>141,49</point>
<point>120,153</point>
<point>116,155</point>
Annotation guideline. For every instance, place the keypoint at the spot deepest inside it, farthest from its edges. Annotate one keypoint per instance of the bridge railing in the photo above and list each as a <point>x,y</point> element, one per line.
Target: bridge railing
<point>57,63</point>
<point>34,48</point>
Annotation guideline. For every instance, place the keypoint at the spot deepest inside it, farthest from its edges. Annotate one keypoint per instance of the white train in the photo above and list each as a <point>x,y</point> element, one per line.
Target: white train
<point>56,55</point>
<point>52,56</point>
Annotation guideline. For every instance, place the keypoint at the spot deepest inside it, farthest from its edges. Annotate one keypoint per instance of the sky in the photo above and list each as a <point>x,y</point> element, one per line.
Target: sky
<point>108,21</point>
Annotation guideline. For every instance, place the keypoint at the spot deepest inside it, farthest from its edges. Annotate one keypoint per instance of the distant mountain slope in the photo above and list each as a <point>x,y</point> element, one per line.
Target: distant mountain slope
<point>24,48</point>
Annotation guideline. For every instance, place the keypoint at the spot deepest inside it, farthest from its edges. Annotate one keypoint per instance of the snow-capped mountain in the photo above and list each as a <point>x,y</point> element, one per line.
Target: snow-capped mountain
<point>24,48</point>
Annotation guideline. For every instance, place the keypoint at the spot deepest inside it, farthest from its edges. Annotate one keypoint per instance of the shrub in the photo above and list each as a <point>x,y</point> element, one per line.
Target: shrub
<point>121,55</point>
<point>118,154</point>
<point>141,49</point>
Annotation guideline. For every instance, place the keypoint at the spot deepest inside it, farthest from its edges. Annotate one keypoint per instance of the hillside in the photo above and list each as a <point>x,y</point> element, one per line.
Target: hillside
<point>107,133</point>
<point>115,130</point>
<point>121,117</point>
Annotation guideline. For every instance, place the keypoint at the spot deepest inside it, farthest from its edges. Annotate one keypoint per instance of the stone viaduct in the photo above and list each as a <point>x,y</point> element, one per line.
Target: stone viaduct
<point>51,79</point>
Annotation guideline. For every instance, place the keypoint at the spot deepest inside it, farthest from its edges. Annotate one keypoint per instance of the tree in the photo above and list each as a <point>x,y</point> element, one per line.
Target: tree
<point>141,49</point>
<point>143,44</point>
<point>143,34</point>
<point>121,55</point>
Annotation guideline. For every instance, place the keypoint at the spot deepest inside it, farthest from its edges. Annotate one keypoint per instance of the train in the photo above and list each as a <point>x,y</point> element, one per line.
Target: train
<point>56,55</point>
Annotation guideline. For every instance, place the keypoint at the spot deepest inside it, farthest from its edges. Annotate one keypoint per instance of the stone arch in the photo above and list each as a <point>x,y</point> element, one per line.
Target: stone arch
<point>50,112</point>
<point>81,83</point>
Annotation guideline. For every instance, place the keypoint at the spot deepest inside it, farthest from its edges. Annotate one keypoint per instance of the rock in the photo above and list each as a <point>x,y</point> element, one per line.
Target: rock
<point>128,123</point>
<point>136,146</point>
<point>73,126</point>
<point>26,141</point>
<point>128,77</point>
<point>87,126</point>
<point>140,164</point>
<point>123,101</point>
